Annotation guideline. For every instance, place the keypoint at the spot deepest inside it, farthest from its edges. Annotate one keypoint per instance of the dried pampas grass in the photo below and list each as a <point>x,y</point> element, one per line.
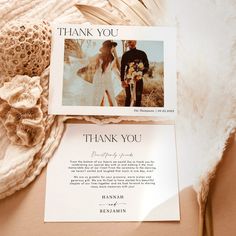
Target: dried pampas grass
<point>98,15</point>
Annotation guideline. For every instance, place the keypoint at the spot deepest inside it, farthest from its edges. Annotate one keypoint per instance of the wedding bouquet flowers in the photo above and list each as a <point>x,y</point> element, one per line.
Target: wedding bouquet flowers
<point>135,72</point>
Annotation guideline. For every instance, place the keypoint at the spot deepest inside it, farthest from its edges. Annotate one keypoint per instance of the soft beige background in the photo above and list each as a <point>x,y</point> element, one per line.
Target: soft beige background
<point>22,214</point>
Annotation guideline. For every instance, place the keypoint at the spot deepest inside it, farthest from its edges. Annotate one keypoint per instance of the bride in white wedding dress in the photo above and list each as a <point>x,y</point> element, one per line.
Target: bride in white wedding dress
<point>106,79</point>
<point>75,89</point>
<point>103,84</point>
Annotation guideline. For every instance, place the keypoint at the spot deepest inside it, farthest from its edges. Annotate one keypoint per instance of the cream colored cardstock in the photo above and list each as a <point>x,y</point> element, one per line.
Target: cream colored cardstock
<point>70,94</point>
<point>113,173</point>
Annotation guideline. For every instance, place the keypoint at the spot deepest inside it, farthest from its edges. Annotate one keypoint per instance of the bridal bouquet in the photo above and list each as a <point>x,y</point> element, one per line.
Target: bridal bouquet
<point>135,72</point>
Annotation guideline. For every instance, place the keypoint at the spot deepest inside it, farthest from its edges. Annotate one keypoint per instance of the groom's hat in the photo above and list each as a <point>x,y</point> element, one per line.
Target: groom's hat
<point>109,44</point>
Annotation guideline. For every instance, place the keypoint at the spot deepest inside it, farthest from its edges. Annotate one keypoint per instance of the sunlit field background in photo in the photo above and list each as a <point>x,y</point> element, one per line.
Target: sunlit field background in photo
<point>78,73</point>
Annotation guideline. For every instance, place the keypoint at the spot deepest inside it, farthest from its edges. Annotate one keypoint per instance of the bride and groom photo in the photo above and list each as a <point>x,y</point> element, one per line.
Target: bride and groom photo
<point>126,73</point>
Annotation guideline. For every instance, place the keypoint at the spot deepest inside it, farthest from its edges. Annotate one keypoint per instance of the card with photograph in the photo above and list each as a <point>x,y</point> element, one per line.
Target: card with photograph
<point>113,70</point>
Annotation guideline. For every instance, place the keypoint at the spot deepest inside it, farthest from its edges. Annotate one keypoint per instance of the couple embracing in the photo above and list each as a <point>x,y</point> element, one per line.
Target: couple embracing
<point>134,64</point>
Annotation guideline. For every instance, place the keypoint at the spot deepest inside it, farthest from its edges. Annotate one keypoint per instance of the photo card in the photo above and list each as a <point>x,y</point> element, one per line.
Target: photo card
<point>113,70</point>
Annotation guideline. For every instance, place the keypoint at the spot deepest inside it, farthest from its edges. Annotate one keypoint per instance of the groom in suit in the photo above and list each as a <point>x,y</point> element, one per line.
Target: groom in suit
<point>133,55</point>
